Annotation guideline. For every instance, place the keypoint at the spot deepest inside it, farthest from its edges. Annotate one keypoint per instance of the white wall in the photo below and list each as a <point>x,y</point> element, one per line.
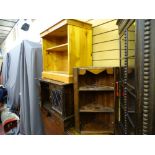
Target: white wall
<point>33,34</point>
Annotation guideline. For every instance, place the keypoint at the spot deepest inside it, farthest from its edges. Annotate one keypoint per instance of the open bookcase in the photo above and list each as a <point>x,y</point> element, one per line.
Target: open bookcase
<point>66,44</point>
<point>94,100</point>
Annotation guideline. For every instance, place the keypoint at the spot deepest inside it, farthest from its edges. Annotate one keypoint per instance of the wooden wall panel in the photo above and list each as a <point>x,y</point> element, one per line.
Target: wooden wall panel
<point>106,63</point>
<point>98,55</point>
<point>105,42</point>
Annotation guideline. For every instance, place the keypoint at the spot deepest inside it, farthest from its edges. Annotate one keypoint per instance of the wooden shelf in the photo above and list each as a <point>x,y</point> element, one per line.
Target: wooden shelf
<point>59,48</point>
<point>96,128</point>
<point>57,110</point>
<point>96,108</point>
<point>95,88</point>
<point>58,76</point>
<point>109,132</point>
<point>94,100</point>
<point>71,131</point>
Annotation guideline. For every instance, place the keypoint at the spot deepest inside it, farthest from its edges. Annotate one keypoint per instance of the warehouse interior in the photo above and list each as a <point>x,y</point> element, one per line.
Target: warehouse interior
<point>77,77</point>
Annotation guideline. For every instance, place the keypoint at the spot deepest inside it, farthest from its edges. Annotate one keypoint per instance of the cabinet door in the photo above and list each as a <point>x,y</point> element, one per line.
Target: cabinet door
<point>131,55</point>
<point>127,81</point>
<point>123,67</point>
<point>131,83</point>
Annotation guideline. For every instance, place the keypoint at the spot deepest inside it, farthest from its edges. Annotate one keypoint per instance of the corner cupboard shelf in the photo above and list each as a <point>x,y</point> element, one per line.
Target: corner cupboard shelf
<point>65,45</point>
<point>94,100</point>
<point>59,48</point>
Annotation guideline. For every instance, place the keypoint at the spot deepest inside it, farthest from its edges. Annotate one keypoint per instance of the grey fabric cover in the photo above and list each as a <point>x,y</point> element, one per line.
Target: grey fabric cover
<point>10,73</point>
<point>25,67</point>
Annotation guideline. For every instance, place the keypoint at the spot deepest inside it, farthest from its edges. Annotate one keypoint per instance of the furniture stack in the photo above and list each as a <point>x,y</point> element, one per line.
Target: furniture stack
<point>84,99</point>
<point>65,45</point>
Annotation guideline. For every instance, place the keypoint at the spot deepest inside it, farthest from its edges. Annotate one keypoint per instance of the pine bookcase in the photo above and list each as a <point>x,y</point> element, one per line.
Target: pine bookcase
<point>65,45</point>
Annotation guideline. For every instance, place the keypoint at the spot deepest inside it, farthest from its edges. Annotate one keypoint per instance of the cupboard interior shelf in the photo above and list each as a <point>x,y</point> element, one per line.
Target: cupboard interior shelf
<point>57,110</point>
<point>96,108</point>
<point>57,72</point>
<point>59,48</point>
<point>96,128</point>
<point>96,88</point>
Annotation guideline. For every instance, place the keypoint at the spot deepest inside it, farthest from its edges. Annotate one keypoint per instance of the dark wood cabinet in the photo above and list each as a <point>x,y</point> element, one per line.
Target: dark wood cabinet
<point>57,106</point>
<point>136,101</point>
<point>94,100</point>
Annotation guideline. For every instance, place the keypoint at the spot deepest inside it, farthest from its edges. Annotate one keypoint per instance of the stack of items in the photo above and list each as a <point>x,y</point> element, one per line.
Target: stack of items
<point>67,44</point>
<point>89,105</point>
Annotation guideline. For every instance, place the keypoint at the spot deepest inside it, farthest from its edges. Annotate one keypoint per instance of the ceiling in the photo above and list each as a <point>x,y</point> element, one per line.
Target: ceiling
<point>6,26</point>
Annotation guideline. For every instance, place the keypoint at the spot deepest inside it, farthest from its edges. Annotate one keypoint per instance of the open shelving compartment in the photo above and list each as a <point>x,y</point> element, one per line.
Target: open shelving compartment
<point>94,100</point>
<point>55,48</point>
<point>66,44</point>
<point>96,123</point>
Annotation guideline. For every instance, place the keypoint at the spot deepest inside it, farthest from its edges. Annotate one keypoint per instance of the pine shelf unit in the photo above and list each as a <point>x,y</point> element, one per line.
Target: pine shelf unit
<point>94,100</point>
<point>65,45</point>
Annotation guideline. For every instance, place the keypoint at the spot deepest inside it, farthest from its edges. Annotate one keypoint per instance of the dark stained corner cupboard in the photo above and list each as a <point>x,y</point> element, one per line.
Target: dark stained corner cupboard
<point>94,100</point>
<point>136,98</point>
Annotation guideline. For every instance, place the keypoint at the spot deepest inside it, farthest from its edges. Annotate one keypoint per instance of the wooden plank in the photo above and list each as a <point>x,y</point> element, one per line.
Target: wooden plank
<point>108,132</point>
<point>76,99</point>
<point>107,63</point>
<point>53,28</point>
<point>61,25</point>
<point>84,20</point>
<point>111,45</point>
<point>112,35</point>
<point>79,23</point>
<point>96,22</point>
<point>52,81</point>
<point>91,88</point>
<point>80,47</point>
<point>114,54</point>
<point>58,48</point>
<point>96,128</point>
<point>58,76</point>
<point>96,108</point>
<point>54,59</point>
<point>105,28</point>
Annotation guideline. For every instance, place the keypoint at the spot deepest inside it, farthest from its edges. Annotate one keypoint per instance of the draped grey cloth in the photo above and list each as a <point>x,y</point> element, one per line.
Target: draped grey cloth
<point>25,67</point>
<point>10,73</point>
